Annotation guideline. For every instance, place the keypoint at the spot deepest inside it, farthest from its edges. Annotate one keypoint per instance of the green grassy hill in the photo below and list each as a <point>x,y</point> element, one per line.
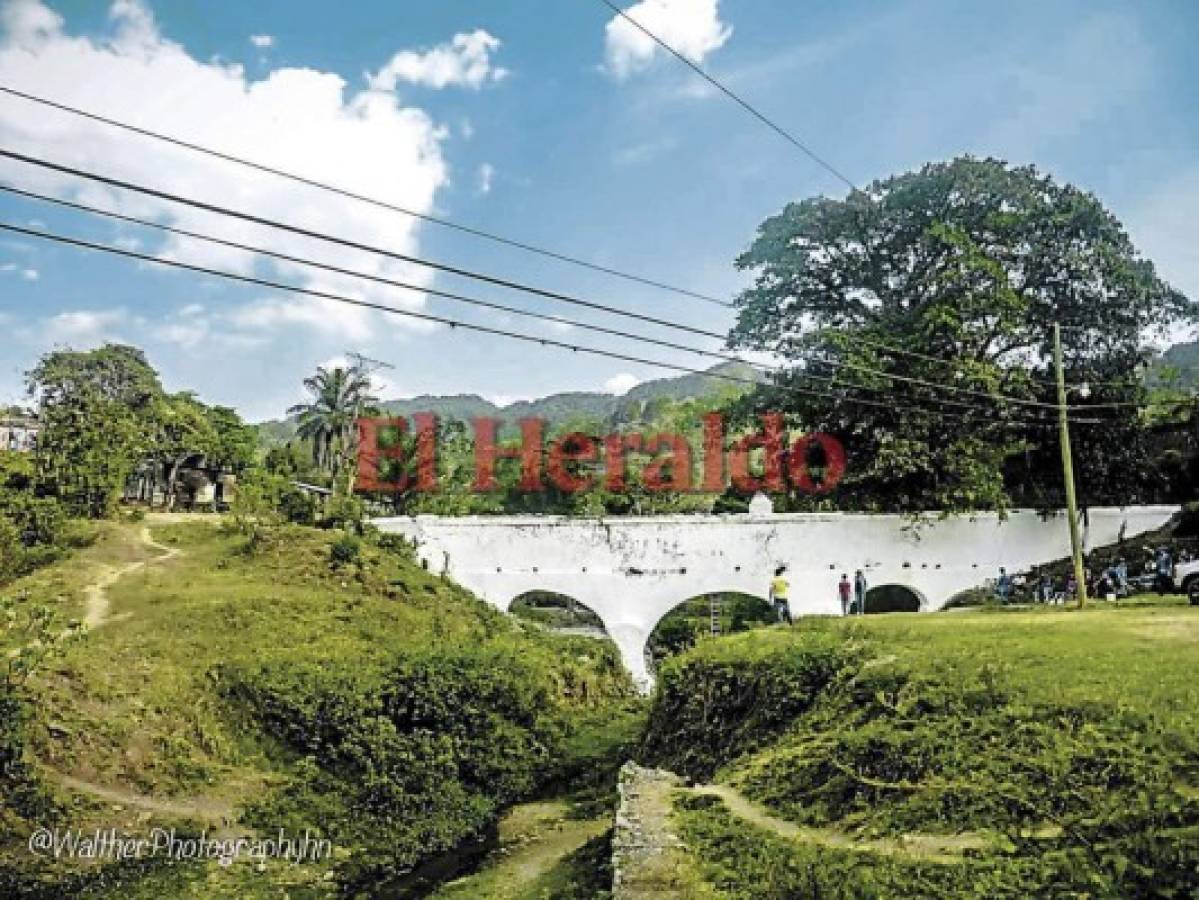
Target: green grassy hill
<point>1008,754</point>
<point>246,684</point>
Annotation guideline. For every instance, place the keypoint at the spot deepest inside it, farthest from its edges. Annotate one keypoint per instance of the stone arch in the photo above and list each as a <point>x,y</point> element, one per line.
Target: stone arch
<point>895,597</point>
<point>559,612</point>
<point>679,625</point>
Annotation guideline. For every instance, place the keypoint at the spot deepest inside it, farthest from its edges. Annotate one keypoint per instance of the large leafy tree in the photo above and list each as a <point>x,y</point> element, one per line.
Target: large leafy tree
<point>99,414</point>
<point>104,411</point>
<point>965,265</point>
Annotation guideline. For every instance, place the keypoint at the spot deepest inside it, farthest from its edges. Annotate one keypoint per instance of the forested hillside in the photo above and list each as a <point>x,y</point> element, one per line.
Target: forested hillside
<point>556,408</point>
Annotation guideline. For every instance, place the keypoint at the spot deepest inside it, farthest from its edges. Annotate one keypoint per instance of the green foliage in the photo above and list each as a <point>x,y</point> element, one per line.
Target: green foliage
<point>684,626</point>
<point>97,417</point>
<point>34,528</point>
<point>344,551</point>
<point>327,421</point>
<point>30,636</point>
<point>610,410</point>
<point>747,862</point>
<point>1056,746</point>
<point>413,756</point>
<point>104,411</point>
<point>966,264</point>
<point>717,702</point>
<point>344,511</point>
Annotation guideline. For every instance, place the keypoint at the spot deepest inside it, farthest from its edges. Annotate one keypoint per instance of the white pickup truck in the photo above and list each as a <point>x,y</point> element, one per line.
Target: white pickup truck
<point>1186,579</point>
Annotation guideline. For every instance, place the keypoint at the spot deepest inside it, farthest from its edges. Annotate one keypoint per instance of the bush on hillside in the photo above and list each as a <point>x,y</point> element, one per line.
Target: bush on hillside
<point>717,702</point>
<point>344,551</point>
<point>410,758</point>
<point>1079,797</point>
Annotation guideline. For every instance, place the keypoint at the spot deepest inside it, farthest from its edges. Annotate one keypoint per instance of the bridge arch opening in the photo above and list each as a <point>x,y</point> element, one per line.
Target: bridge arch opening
<point>692,619</point>
<point>891,598</point>
<point>559,613</point>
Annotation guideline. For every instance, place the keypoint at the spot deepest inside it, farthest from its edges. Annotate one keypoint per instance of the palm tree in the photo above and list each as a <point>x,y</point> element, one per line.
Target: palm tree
<point>339,397</point>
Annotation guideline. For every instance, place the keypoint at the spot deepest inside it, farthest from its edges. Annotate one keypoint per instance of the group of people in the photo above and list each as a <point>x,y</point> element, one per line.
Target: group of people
<point>780,588</point>
<point>1110,583</point>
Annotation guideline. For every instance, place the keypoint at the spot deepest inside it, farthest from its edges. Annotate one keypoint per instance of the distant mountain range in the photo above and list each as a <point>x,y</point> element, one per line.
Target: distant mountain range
<point>555,408</point>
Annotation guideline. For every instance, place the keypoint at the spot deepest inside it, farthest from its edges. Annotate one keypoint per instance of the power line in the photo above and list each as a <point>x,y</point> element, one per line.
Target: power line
<point>478,276</point>
<point>455,323</point>
<point>368,304</point>
<point>354,245</point>
<point>744,104</point>
<point>472,301</point>
<point>775,127</point>
<point>891,348</point>
<point>382,204</point>
<point>378,279</point>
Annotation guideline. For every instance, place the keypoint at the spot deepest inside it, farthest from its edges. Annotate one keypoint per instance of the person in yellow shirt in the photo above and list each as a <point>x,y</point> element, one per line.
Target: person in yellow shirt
<point>779,588</point>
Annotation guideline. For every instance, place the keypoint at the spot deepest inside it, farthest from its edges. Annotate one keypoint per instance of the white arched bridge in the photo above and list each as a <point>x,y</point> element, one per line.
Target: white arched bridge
<point>632,571</point>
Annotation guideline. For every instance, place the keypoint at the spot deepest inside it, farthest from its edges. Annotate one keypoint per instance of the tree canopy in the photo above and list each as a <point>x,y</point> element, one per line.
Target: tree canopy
<point>103,411</point>
<point>953,276</point>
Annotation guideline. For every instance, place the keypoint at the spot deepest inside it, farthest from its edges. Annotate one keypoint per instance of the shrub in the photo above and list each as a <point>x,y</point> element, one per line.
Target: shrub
<point>397,544</point>
<point>408,758</point>
<point>296,506</point>
<point>344,511</point>
<point>717,702</point>
<point>344,551</point>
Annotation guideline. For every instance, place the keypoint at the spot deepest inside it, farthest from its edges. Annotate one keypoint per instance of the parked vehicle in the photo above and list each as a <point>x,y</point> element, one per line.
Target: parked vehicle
<point>1186,577</point>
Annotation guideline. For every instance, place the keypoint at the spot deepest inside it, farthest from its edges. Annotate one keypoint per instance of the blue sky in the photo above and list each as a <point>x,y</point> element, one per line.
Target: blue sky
<point>540,122</point>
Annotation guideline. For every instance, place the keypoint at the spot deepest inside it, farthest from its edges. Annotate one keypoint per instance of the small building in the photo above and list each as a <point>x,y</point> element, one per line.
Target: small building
<point>193,484</point>
<point>18,433</point>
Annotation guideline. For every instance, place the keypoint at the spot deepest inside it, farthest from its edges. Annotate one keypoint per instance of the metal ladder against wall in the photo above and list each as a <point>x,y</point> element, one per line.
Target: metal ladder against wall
<point>715,609</point>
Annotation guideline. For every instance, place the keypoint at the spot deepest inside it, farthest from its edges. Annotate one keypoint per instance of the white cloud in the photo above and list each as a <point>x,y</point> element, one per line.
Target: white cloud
<point>29,274</point>
<point>299,120</point>
<point>486,175</point>
<point>621,384</point>
<point>464,62</point>
<point>187,333</point>
<point>502,400</point>
<point>262,41</point>
<point>28,20</point>
<point>692,27</point>
<point>83,327</point>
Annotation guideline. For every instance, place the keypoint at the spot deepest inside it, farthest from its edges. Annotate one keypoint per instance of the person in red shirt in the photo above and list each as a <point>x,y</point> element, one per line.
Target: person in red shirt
<point>843,589</point>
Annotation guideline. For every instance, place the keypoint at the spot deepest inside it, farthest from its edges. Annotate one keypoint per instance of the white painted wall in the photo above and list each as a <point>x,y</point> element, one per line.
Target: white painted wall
<point>633,571</point>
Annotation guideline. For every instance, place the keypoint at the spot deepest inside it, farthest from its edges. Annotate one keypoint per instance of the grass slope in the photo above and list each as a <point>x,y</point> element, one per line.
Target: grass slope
<point>1058,749</point>
<point>245,685</point>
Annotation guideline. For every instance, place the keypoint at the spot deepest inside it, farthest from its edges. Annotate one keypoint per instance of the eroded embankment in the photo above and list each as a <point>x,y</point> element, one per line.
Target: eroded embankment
<point>948,756</point>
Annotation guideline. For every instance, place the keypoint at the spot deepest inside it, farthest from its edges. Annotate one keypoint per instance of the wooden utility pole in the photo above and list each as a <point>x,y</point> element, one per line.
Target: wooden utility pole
<point>1080,576</point>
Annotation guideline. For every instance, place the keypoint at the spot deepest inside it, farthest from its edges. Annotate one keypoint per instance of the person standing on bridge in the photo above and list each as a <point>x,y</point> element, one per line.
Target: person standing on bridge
<point>859,591</point>
<point>843,589</point>
<point>779,588</point>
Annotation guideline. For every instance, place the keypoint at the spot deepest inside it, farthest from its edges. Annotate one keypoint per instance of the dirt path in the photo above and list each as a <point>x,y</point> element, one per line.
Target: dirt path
<point>933,847</point>
<point>97,613</point>
<point>534,837</point>
<point>96,603</point>
<point>203,809</point>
